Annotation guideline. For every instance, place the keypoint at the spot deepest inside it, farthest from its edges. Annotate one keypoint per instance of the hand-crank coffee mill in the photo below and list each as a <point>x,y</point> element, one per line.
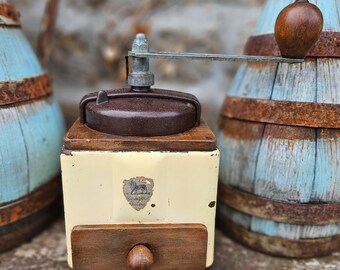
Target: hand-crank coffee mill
<point>140,172</point>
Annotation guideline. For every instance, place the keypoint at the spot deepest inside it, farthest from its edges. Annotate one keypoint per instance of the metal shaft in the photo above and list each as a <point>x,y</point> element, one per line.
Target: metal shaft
<point>214,57</point>
<point>140,76</point>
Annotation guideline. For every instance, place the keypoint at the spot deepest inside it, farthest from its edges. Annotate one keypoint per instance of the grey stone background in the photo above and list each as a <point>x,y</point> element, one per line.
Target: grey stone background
<point>93,37</point>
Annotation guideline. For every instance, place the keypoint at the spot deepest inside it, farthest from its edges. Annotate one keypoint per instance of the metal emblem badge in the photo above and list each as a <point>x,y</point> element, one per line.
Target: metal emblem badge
<point>138,191</point>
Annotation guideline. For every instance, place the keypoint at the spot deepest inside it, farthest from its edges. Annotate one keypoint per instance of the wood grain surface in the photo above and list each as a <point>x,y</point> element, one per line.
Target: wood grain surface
<point>81,137</point>
<point>284,163</point>
<point>102,247</point>
<point>30,143</point>
<point>48,251</point>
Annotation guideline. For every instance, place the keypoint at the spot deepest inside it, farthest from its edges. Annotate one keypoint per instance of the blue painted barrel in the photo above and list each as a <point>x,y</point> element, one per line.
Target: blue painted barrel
<point>31,134</point>
<point>279,139</point>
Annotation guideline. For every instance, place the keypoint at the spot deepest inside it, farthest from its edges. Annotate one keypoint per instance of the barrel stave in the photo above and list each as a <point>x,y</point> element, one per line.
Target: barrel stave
<point>30,143</point>
<point>254,80</point>
<point>17,58</point>
<point>43,128</point>
<point>13,158</point>
<point>286,164</point>
<point>277,229</point>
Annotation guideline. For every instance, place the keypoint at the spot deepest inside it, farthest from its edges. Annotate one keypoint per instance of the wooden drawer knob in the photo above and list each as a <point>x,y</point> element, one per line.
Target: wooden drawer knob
<point>140,258</point>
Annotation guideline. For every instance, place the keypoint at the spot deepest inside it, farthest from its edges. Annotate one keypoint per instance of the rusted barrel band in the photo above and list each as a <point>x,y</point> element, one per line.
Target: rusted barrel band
<point>20,209</point>
<point>9,15</point>
<point>265,45</point>
<point>291,213</point>
<point>303,248</point>
<point>14,234</point>
<point>25,90</point>
<point>304,114</point>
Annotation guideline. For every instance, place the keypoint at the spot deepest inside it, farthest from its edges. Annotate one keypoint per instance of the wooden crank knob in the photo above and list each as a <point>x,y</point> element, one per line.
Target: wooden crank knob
<point>298,28</point>
<point>140,258</point>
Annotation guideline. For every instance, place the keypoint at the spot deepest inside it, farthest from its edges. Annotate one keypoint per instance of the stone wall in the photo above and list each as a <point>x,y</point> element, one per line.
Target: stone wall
<point>94,35</point>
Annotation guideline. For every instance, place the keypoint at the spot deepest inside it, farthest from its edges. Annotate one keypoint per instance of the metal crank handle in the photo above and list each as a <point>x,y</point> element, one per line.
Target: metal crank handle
<point>214,57</point>
<point>141,78</point>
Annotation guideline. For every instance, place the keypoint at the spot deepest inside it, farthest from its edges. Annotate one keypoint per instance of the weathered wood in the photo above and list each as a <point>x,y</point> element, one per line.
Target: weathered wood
<point>30,204</point>
<point>285,167</point>
<point>238,163</point>
<point>326,186</point>
<point>271,10</point>
<point>16,233</point>
<point>279,211</point>
<point>282,112</point>
<point>261,73</point>
<point>276,229</point>
<point>42,126</point>
<point>17,59</point>
<point>199,138</point>
<point>327,79</point>
<point>327,169</point>
<point>173,246</point>
<point>296,82</point>
<point>330,10</point>
<point>29,150</point>
<point>31,136</point>
<point>13,157</point>
<point>293,164</point>
<point>280,246</point>
<point>238,160</point>
<point>232,153</point>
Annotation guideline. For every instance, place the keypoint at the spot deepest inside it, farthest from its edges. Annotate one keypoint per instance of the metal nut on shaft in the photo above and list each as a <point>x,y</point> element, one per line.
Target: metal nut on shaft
<point>140,75</point>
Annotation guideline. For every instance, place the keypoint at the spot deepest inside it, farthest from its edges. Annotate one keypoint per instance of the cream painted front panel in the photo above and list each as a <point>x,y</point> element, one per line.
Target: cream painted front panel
<point>185,189</point>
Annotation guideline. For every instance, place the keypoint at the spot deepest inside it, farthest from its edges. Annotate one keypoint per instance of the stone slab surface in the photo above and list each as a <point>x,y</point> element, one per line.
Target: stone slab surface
<point>47,251</point>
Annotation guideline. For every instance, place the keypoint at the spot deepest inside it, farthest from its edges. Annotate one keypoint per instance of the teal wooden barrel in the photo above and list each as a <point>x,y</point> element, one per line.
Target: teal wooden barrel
<point>31,133</point>
<point>279,139</point>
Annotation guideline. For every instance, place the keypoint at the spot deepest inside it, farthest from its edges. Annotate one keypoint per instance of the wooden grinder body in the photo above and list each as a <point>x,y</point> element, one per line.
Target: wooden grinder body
<point>151,187</point>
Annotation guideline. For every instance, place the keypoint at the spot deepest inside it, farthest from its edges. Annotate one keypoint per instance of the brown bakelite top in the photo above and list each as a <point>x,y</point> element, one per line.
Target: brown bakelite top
<point>149,112</point>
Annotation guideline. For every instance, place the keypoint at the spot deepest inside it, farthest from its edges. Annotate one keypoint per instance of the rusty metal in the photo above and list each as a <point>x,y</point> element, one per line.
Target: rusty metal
<point>254,131</point>
<point>214,57</point>
<point>240,130</point>
<point>328,45</point>
<point>277,246</point>
<point>132,112</point>
<point>25,90</point>
<point>27,206</point>
<point>16,233</point>
<point>48,29</point>
<point>279,211</point>
<point>9,15</point>
<point>304,114</point>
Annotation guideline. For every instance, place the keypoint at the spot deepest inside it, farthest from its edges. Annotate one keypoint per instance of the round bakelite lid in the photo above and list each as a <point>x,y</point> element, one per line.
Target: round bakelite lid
<point>140,113</point>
